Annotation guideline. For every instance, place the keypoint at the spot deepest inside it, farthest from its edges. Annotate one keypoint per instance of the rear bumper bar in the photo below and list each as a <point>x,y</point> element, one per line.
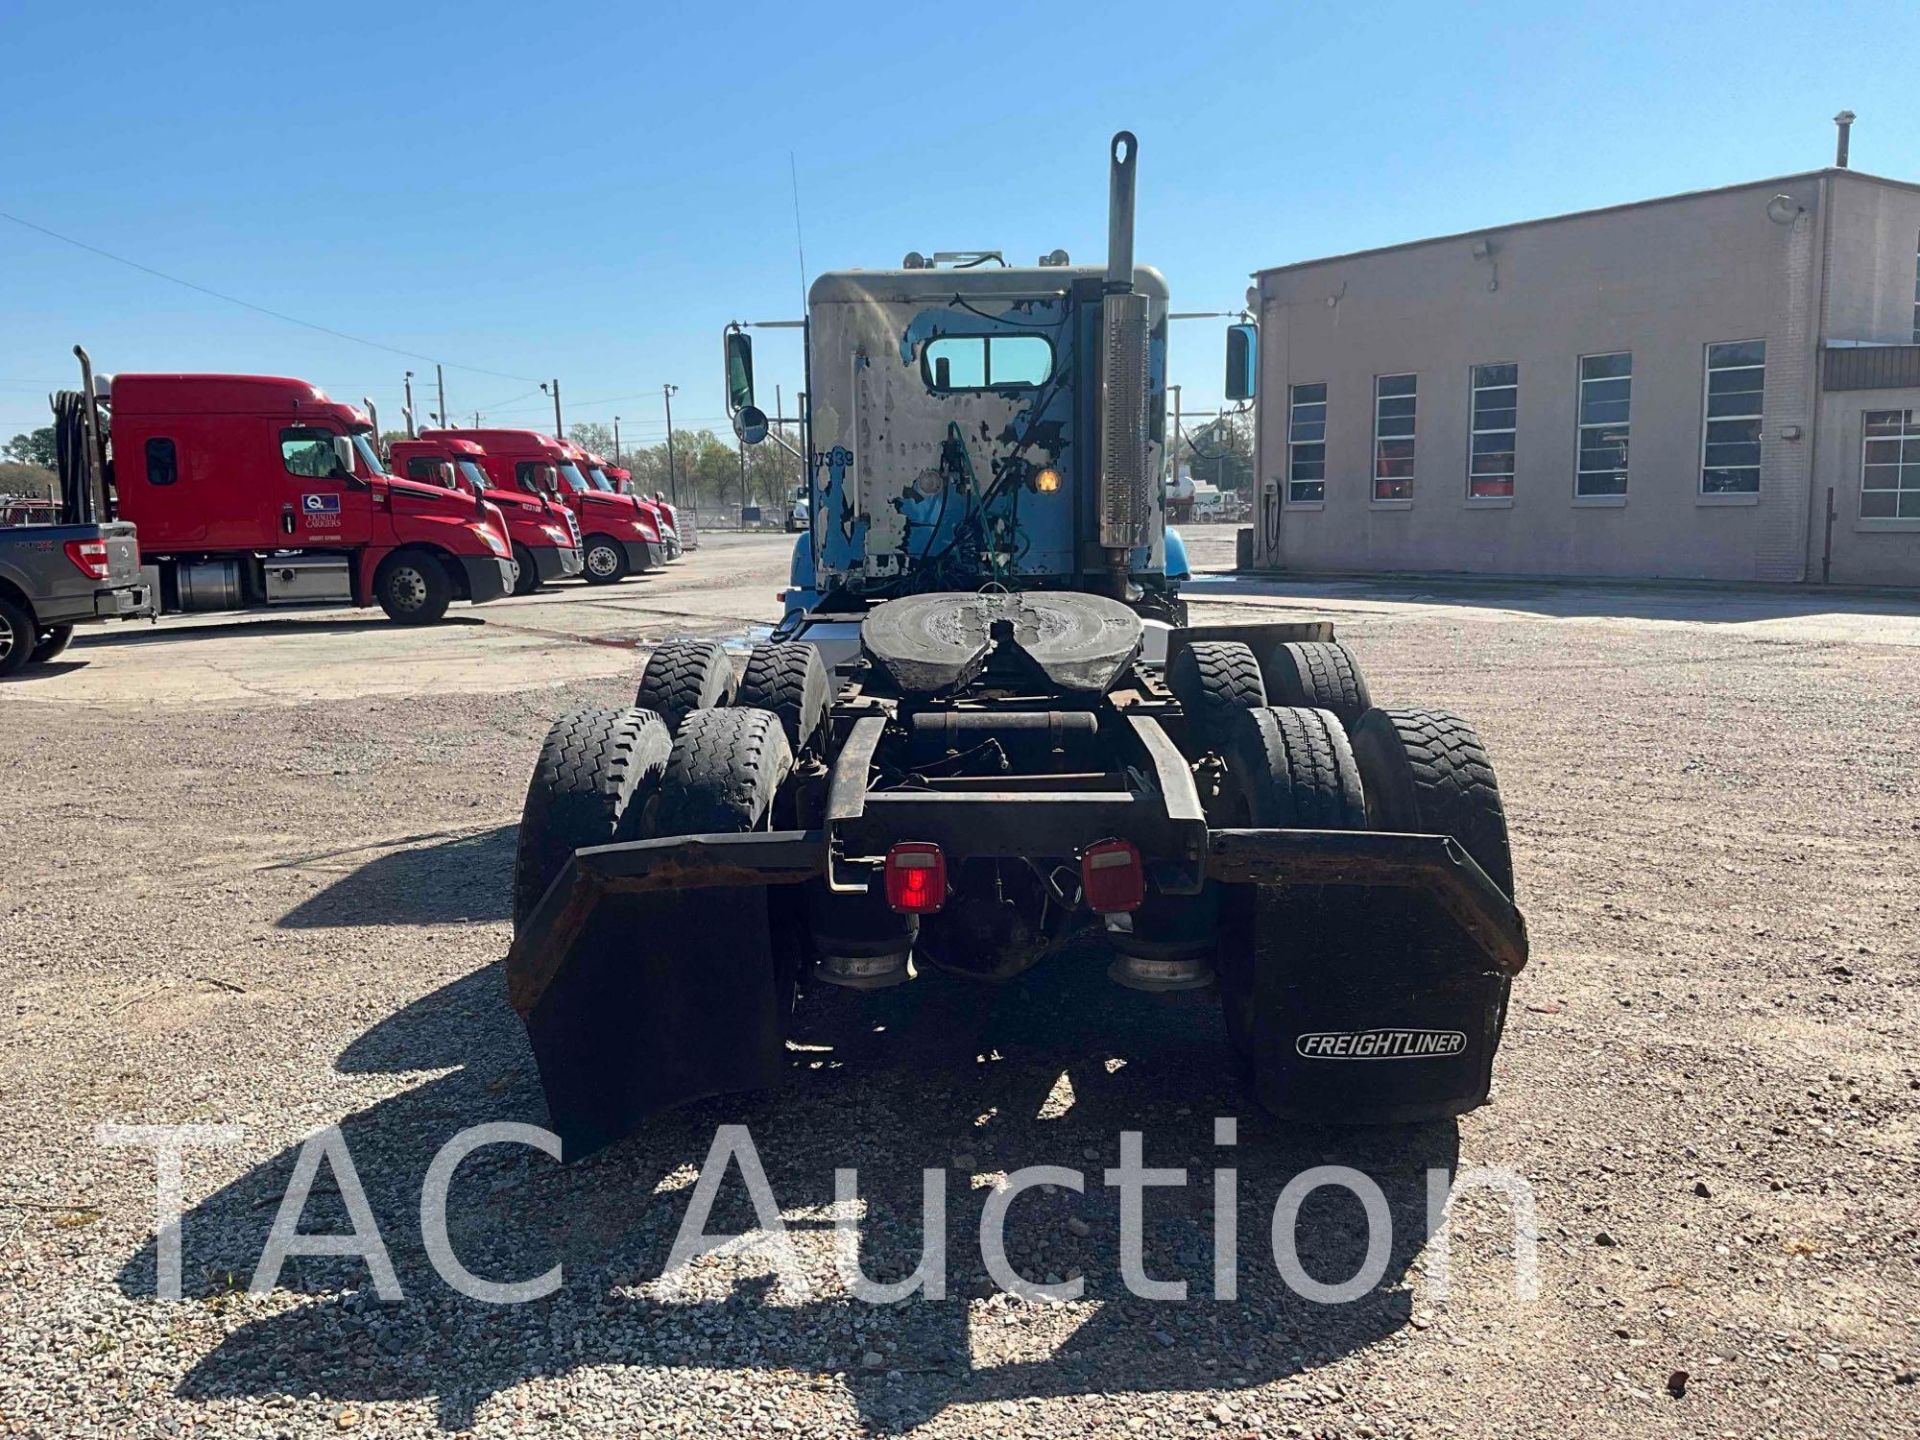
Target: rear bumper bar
<point>1434,865</point>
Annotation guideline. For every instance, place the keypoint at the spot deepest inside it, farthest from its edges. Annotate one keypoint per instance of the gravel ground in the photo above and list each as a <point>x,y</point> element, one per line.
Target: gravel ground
<point>275,897</point>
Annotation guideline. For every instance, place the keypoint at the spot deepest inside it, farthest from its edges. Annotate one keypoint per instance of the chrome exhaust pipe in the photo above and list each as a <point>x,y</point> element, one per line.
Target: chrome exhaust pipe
<point>1125,494</point>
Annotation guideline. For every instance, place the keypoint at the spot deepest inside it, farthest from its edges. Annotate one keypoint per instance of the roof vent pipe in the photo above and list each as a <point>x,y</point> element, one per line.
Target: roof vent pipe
<point>1845,121</point>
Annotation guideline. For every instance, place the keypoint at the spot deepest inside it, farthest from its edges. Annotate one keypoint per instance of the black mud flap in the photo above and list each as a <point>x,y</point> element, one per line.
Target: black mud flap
<point>650,975</point>
<point>1370,987</point>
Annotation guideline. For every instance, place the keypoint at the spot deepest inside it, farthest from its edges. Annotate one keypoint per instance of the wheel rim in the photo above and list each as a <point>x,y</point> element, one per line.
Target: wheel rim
<point>6,642</point>
<point>602,561</point>
<point>408,588</point>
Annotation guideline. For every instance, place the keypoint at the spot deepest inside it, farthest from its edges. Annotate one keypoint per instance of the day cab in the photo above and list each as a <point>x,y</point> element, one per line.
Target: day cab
<point>605,476</point>
<point>546,546</point>
<point>258,490</point>
<point>618,538</point>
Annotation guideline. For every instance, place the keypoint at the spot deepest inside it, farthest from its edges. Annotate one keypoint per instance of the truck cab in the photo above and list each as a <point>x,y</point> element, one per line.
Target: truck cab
<point>259,490</point>
<point>616,539</point>
<point>620,482</point>
<point>541,530</point>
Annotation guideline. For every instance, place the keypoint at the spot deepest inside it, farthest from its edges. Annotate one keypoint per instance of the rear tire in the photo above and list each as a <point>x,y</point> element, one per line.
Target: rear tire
<point>790,679</point>
<point>17,637</point>
<point>1320,674</point>
<point>1426,771</point>
<point>51,642</point>
<point>724,774</point>
<point>413,588</point>
<point>596,771</point>
<point>1294,770</point>
<point>526,579</point>
<point>1214,680</point>
<point>604,560</point>
<point>683,676</point>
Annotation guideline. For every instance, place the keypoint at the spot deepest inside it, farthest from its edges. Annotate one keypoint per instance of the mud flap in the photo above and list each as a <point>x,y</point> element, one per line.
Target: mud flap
<point>646,981</point>
<point>1365,1003</point>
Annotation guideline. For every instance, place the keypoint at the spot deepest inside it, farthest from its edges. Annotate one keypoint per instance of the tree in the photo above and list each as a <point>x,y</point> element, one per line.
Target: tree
<point>1220,452</point>
<point>593,436</point>
<point>36,448</point>
<point>29,480</point>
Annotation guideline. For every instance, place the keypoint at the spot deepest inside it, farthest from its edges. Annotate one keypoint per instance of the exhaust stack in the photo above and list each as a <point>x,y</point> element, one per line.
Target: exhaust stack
<point>1843,143</point>
<point>1125,495</point>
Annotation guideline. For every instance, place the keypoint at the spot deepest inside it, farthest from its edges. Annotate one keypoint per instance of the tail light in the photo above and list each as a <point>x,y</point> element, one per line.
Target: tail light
<point>89,557</point>
<point>916,878</point>
<point>1112,877</point>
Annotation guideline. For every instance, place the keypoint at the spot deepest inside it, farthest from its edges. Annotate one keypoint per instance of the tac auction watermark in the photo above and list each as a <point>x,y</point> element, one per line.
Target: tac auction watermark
<point>770,1246</point>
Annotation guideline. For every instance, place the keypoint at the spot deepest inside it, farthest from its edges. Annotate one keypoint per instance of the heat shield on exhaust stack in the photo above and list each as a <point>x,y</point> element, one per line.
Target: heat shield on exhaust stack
<point>1126,494</point>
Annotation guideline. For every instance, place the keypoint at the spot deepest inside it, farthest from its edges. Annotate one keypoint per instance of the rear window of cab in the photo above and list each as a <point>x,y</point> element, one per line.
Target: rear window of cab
<point>986,362</point>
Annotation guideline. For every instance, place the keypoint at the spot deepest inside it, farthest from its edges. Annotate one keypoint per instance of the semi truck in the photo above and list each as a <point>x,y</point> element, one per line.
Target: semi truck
<point>544,535</point>
<point>257,491</point>
<point>617,537</point>
<point>989,737</point>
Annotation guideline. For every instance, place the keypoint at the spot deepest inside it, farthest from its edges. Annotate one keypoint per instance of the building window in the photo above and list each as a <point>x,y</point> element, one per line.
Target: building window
<point>1496,401</point>
<point>1393,415</point>
<point>1606,413</point>
<point>1890,466</point>
<point>163,462</point>
<point>1730,442</point>
<point>1306,443</point>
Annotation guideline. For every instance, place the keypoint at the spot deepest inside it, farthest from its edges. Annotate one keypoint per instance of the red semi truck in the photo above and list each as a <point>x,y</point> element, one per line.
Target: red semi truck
<point>618,538</point>
<point>545,536</point>
<point>258,490</point>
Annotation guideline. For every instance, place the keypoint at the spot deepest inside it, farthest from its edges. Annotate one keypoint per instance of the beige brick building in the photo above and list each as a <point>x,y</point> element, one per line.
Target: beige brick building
<point>1719,385</point>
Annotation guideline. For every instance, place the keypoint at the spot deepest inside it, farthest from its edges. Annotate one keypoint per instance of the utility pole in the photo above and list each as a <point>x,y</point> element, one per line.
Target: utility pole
<point>779,415</point>
<point>476,419</point>
<point>742,447</point>
<point>412,429</point>
<point>559,429</point>
<point>667,392</point>
<point>616,444</point>
<point>441,381</point>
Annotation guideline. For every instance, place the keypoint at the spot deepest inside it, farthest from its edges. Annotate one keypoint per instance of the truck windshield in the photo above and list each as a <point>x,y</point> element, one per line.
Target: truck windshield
<point>369,457</point>
<point>470,472</point>
<point>571,478</point>
<point>599,479</point>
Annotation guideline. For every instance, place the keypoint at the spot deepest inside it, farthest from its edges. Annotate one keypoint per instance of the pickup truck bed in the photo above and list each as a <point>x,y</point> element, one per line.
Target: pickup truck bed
<point>50,581</point>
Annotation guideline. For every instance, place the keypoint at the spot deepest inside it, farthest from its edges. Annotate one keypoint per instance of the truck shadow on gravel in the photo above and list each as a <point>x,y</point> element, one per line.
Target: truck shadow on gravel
<point>456,879</point>
<point>1045,1071</point>
<point>208,627</point>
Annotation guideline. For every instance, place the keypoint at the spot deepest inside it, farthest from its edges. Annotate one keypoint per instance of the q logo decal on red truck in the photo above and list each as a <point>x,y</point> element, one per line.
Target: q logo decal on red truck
<point>322,512</point>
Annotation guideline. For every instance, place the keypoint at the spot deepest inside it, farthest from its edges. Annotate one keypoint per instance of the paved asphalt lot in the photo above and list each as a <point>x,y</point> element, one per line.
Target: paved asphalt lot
<point>255,873</point>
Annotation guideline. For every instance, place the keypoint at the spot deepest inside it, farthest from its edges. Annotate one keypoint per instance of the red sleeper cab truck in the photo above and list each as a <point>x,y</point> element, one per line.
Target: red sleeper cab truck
<point>257,490</point>
<point>617,538</point>
<point>546,544</point>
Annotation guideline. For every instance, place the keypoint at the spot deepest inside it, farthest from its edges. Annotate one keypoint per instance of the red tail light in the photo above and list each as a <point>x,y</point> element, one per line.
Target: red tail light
<point>1112,877</point>
<point>916,877</point>
<point>89,557</point>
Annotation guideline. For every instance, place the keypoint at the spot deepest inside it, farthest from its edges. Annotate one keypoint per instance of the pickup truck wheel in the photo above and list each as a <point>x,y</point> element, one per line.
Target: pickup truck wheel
<point>413,588</point>
<point>51,642</point>
<point>605,560</point>
<point>1426,772</point>
<point>526,575</point>
<point>683,676</point>
<point>1321,674</point>
<point>1214,680</point>
<point>596,771</point>
<point>789,678</point>
<point>17,637</point>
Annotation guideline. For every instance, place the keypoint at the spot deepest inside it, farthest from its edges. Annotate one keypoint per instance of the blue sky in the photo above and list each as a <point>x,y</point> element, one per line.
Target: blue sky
<point>593,191</point>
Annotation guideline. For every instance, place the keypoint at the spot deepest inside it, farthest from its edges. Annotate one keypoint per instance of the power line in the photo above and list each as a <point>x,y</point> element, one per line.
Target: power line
<point>259,309</point>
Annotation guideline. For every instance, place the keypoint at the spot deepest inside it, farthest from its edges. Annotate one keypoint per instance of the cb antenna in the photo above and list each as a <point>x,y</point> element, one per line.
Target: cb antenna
<point>799,240</point>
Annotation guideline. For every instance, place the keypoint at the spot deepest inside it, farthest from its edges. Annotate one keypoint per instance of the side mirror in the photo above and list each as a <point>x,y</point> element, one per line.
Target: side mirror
<point>739,347</point>
<point>546,478</point>
<point>443,474</point>
<point>343,455</point>
<point>750,424</point>
<point>1243,361</point>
